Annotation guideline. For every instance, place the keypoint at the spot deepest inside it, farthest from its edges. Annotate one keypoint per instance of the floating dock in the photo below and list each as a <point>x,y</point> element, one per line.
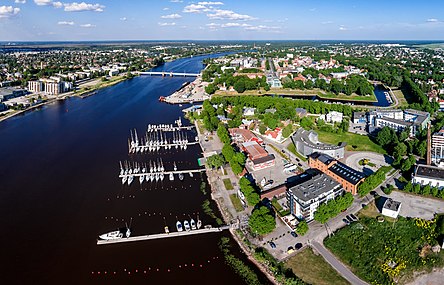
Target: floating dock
<point>164,235</point>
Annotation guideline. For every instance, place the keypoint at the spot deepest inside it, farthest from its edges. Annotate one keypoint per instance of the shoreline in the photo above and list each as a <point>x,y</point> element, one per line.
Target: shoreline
<point>226,218</point>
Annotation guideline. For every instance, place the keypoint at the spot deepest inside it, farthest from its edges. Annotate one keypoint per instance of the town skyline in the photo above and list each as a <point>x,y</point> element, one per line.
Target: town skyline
<point>20,20</point>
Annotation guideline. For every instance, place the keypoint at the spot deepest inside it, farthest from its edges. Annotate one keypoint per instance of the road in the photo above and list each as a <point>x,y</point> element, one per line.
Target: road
<point>336,264</point>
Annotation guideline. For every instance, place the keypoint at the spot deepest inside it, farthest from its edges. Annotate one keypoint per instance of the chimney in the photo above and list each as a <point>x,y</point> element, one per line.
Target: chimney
<point>429,146</point>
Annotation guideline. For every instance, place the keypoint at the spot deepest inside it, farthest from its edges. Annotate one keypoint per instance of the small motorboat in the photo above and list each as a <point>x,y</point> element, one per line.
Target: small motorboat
<point>193,224</point>
<point>186,225</point>
<point>179,226</point>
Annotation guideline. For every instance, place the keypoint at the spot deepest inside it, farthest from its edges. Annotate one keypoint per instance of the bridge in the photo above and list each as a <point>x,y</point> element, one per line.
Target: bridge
<point>169,73</point>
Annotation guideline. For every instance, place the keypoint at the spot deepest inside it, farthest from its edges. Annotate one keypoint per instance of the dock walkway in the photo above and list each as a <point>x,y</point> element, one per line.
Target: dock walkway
<point>163,172</point>
<point>164,235</point>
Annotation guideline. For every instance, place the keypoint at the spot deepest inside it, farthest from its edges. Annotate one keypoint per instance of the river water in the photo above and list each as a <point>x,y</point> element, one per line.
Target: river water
<point>60,189</point>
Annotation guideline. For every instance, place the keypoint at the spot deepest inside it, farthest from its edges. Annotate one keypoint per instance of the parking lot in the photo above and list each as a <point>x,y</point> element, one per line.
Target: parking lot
<point>417,206</point>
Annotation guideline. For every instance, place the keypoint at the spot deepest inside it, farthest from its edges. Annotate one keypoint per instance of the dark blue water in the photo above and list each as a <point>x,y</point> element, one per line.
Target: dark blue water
<point>60,189</point>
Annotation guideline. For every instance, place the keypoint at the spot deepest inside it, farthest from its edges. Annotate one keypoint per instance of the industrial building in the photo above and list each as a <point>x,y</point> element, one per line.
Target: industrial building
<point>346,176</point>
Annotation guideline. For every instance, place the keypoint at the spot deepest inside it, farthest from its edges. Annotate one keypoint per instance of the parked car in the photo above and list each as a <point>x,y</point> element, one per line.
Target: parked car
<point>346,221</point>
<point>350,219</point>
<point>294,234</point>
<point>290,250</point>
<point>298,246</point>
<point>354,217</point>
<point>272,244</point>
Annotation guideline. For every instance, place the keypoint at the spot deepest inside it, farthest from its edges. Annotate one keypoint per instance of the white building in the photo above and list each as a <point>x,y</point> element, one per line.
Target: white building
<point>312,189</point>
<point>249,111</point>
<point>428,175</point>
<point>332,117</point>
<point>35,86</point>
<point>398,120</point>
<point>438,148</point>
<point>391,208</point>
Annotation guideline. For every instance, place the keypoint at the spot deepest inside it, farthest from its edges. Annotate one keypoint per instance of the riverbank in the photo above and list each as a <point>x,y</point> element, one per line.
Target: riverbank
<point>319,94</point>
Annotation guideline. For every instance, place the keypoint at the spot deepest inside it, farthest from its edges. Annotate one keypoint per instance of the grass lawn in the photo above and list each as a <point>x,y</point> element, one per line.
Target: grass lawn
<point>387,252</point>
<point>354,142</point>
<point>291,147</point>
<point>227,184</point>
<point>313,269</point>
<point>401,98</point>
<point>236,203</point>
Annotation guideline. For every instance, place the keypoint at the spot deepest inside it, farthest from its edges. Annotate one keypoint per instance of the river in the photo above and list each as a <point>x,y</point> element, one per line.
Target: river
<point>60,189</point>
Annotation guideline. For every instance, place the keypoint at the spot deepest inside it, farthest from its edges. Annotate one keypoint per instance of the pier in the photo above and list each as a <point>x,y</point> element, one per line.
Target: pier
<point>169,73</point>
<point>164,235</point>
<point>145,148</point>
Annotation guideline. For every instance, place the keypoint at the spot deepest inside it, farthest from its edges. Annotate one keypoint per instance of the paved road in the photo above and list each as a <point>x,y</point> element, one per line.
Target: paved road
<point>338,265</point>
<point>353,158</point>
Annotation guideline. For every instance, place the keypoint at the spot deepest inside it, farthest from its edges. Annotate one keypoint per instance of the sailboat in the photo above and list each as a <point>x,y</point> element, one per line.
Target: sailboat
<point>193,224</point>
<point>117,234</point>
<point>179,226</point>
<point>175,167</point>
<point>171,176</point>
<point>130,179</point>
<point>199,223</point>
<point>186,225</point>
<point>180,176</point>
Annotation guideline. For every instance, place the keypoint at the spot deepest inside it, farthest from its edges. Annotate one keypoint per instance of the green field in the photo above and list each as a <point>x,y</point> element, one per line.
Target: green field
<point>291,147</point>
<point>236,203</point>
<point>354,142</point>
<point>387,252</point>
<point>313,269</point>
<point>227,184</point>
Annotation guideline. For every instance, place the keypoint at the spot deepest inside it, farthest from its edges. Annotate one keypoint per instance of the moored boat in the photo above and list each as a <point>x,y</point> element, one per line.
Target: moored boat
<point>179,226</point>
<point>193,224</point>
<point>186,225</point>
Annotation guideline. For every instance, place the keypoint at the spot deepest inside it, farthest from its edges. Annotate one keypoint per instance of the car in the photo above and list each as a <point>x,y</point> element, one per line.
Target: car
<point>290,250</point>
<point>272,244</point>
<point>294,234</point>
<point>354,217</point>
<point>350,219</point>
<point>283,151</point>
<point>299,164</point>
<point>298,246</point>
<point>346,221</point>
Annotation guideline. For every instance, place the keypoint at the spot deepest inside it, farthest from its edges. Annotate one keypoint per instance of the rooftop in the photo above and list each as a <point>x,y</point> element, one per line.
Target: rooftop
<point>310,138</point>
<point>263,159</point>
<point>347,173</point>
<point>254,150</point>
<point>428,171</point>
<point>313,184</point>
<point>392,205</point>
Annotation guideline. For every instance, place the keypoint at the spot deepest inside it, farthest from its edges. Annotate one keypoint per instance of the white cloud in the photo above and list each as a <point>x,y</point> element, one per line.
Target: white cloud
<point>167,24</point>
<point>80,7</point>
<point>196,8</point>
<point>210,3</point>
<point>176,1</point>
<point>20,1</point>
<point>231,25</point>
<point>342,28</point>
<point>166,9</point>
<point>43,2</point>
<point>123,19</point>
<point>57,4</point>
<point>87,26</point>
<point>171,16</point>
<point>327,22</point>
<point>432,20</point>
<point>229,15</point>
<point>8,11</point>
<point>66,23</point>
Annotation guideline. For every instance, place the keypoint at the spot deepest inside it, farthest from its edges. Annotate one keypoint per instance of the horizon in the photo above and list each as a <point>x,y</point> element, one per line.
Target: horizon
<point>174,20</point>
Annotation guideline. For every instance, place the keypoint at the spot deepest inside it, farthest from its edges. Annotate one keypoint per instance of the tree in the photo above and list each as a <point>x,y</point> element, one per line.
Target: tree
<point>384,136</point>
<point>236,167</point>
<point>286,132</point>
<point>215,161</point>
<point>302,228</point>
<point>228,152</point>
<point>262,221</point>
<point>262,129</point>
<point>239,86</point>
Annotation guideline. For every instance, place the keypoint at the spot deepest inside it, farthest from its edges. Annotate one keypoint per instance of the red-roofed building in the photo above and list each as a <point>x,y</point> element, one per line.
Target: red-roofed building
<point>275,135</point>
<point>300,77</point>
<point>243,135</point>
<point>258,156</point>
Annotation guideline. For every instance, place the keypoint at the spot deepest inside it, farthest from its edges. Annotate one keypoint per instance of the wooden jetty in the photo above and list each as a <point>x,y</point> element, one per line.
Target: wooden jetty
<point>164,235</point>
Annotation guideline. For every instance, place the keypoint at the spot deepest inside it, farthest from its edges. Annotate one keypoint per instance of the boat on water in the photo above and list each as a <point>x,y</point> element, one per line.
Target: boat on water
<point>186,225</point>
<point>179,226</point>
<point>141,178</point>
<point>171,176</point>
<point>193,224</point>
<point>191,174</point>
<point>180,176</point>
<point>118,234</point>
<point>167,231</point>
<point>199,223</point>
<point>130,179</point>
<point>124,178</point>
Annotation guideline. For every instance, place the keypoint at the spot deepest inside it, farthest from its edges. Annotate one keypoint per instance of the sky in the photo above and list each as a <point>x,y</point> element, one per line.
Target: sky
<point>62,20</point>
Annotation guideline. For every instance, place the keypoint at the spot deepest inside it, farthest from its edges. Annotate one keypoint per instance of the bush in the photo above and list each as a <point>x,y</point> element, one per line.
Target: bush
<point>333,207</point>
<point>262,221</point>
